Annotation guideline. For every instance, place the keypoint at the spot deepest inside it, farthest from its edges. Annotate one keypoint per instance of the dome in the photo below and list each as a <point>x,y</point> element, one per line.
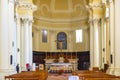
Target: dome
<point>61,11</point>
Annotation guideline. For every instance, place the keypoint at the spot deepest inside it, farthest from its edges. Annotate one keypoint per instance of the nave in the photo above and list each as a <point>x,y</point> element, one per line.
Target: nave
<point>75,75</point>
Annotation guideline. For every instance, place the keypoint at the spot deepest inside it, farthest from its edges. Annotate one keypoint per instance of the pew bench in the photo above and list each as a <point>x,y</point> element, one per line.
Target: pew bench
<point>28,75</point>
<point>95,75</point>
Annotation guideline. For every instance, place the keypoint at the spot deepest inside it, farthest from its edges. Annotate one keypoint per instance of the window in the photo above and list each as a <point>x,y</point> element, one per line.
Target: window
<point>62,37</point>
<point>78,35</point>
<point>44,36</point>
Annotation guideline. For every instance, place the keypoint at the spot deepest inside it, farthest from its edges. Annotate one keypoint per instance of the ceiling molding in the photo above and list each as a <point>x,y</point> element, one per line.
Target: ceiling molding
<point>61,20</point>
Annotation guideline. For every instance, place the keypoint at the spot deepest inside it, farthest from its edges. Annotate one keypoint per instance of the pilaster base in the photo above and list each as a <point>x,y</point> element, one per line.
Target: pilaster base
<point>114,71</point>
<point>90,68</point>
<point>95,68</point>
<point>117,71</point>
<point>6,72</point>
<point>23,69</point>
<point>110,71</point>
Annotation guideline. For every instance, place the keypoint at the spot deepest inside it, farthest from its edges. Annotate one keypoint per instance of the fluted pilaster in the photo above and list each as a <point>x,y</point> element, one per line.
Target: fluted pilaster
<point>26,42</point>
<point>96,62</point>
<point>91,44</point>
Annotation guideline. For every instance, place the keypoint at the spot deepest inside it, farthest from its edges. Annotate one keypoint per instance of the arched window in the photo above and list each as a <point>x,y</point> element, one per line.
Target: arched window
<point>62,37</point>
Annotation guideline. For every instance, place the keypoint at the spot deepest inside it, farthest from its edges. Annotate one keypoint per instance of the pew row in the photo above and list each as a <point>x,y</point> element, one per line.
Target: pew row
<point>28,75</point>
<point>95,75</point>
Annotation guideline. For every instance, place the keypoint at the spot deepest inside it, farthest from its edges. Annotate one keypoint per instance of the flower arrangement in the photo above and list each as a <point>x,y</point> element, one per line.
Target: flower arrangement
<point>66,61</point>
<point>60,71</point>
<point>56,60</point>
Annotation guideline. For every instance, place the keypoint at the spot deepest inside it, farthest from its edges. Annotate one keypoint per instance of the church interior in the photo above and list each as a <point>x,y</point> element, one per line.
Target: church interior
<point>78,38</point>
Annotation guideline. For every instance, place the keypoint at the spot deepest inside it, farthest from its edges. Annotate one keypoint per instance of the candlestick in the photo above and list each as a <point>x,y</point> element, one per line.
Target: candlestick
<point>46,54</point>
<point>50,55</point>
<point>76,54</point>
<point>66,55</point>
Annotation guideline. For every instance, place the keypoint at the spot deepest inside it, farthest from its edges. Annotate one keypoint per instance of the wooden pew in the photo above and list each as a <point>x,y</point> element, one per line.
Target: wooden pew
<point>102,79</point>
<point>96,75</point>
<point>28,75</point>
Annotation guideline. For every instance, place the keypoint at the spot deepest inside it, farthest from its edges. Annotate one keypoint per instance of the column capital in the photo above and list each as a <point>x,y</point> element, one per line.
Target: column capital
<point>26,5</point>
<point>107,19</point>
<point>90,21</point>
<point>95,5</point>
<point>24,20</point>
<point>96,20</point>
<point>107,2</point>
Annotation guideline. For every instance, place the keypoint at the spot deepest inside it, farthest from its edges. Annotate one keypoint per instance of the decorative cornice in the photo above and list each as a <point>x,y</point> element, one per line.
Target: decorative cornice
<point>38,27</point>
<point>28,6</point>
<point>61,20</point>
<point>51,28</point>
<point>25,5</point>
<point>96,5</point>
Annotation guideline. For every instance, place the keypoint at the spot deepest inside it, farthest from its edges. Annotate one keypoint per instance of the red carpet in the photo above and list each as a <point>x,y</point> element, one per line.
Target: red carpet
<point>58,77</point>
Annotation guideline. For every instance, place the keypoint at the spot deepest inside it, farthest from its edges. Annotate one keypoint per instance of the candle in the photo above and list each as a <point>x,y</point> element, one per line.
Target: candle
<point>76,54</point>
<point>66,54</point>
<point>71,55</point>
<point>46,54</point>
<point>50,55</point>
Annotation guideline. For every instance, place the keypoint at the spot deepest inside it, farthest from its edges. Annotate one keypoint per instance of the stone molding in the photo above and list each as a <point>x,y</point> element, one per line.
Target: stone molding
<point>61,20</point>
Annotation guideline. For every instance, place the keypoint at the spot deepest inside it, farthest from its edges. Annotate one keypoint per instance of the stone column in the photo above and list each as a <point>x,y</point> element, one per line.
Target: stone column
<point>18,30</point>
<point>103,36</point>
<point>96,62</point>
<point>112,40</point>
<point>4,54</point>
<point>12,34</point>
<point>117,38</point>
<point>30,42</point>
<point>91,44</point>
<point>25,43</point>
<point>107,42</point>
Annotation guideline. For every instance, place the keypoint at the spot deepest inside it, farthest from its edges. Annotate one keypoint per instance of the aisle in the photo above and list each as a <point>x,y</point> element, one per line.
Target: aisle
<point>58,77</point>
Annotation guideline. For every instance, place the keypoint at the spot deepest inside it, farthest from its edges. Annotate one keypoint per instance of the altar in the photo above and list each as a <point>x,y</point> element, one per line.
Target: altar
<point>67,67</point>
<point>61,61</point>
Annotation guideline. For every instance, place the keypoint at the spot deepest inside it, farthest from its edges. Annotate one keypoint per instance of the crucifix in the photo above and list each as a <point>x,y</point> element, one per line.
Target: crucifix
<point>60,42</point>
<point>60,45</point>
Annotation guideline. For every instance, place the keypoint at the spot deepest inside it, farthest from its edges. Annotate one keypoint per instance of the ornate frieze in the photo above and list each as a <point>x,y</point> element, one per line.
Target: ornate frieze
<point>24,8</point>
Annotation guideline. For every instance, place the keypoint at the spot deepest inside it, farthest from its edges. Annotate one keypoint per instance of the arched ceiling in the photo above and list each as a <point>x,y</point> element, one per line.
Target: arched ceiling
<point>61,11</point>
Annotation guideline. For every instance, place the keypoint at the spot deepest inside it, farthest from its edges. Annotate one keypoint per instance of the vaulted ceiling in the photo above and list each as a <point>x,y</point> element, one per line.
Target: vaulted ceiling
<point>61,11</point>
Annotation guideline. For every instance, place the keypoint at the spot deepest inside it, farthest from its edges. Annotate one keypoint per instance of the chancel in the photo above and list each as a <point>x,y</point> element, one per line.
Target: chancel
<point>63,38</point>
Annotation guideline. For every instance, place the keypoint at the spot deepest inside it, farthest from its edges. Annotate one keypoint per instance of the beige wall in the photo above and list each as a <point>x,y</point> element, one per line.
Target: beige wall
<point>55,18</point>
<point>52,36</point>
